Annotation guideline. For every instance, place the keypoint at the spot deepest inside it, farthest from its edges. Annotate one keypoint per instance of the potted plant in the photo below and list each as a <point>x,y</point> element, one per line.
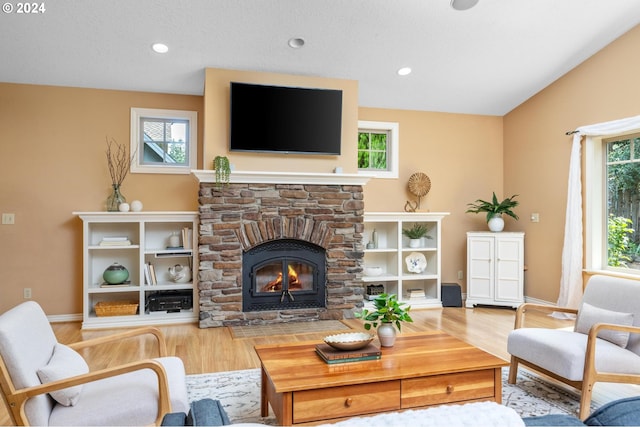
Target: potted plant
<point>387,313</point>
<point>222,170</point>
<point>494,210</point>
<point>415,233</point>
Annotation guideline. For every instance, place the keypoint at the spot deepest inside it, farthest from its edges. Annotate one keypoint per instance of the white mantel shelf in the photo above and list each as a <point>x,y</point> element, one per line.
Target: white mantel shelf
<point>259,177</point>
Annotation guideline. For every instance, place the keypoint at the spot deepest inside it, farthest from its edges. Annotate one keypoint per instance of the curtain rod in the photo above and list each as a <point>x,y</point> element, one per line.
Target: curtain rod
<point>571,132</point>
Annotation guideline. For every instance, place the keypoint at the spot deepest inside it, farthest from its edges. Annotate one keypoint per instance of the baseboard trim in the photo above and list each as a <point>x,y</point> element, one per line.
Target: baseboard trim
<point>60,318</point>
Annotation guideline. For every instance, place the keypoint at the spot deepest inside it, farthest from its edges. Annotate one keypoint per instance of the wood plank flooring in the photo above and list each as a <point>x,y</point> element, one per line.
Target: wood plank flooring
<point>215,349</point>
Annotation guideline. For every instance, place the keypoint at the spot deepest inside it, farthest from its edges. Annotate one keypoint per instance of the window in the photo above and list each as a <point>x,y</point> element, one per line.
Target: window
<point>378,144</point>
<point>613,204</point>
<point>163,141</point>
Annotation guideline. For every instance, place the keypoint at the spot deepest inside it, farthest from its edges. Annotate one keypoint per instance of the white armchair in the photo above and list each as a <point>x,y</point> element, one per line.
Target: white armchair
<point>44,382</point>
<point>603,346</point>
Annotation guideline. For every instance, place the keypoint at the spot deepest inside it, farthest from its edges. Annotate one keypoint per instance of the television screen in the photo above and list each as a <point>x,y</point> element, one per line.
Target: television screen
<point>285,119</point>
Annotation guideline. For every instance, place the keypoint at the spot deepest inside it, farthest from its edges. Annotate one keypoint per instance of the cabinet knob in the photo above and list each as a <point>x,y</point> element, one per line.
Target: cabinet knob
<point>348,402</point>
<point>449,389</point>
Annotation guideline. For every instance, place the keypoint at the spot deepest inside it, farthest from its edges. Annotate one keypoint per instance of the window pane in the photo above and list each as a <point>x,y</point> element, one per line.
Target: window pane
<point>372,150</point>
<point>164,141</point>
<point>623,206</point>
<point>379,141</point>
<point>363,141</point>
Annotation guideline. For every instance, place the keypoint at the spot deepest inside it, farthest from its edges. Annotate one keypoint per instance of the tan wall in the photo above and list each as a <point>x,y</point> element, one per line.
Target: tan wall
<point>53,163</point>
<point>536,149</point>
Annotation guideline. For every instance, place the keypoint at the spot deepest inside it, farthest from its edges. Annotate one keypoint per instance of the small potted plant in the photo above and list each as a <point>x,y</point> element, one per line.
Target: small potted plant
<point>415,233</point>
<point>494,210</point>
<point>387,313</point>
<point>222,170</point>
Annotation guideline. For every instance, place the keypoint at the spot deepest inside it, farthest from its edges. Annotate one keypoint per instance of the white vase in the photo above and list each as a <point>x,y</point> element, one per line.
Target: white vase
<point>387,334</point>
<point>496,223</point>
<point>414,243</point>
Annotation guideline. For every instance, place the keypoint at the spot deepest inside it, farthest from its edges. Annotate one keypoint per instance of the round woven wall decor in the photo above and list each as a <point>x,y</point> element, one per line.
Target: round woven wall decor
<point>419,184</point>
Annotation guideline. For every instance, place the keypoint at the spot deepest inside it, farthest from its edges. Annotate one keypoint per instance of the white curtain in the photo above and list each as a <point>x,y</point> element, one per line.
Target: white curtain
<point>571,280</point>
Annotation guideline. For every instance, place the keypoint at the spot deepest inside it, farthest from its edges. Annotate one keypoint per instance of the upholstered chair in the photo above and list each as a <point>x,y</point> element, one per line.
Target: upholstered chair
<point>44,382</point>
<point>603,346</point>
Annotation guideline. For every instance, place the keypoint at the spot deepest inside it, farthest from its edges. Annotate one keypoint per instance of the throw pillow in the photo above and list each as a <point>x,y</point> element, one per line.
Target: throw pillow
<point>589,315</point>
<point>64,363</point>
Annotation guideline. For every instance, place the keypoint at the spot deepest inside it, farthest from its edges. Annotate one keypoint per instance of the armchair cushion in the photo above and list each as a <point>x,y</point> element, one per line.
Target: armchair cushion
<point>65,362</point>
<point>562,352</point>
<point>590,315</point>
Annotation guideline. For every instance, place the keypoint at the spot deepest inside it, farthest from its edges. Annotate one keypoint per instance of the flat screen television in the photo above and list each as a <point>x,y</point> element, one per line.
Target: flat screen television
<point>285,119</point>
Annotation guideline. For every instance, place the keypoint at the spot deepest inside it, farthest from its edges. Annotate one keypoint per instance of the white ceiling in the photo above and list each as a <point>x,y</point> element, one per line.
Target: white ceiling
<point>486,60</point>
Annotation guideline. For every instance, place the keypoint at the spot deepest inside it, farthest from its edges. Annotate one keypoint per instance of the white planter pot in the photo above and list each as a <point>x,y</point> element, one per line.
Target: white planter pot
<point>496,223</point>
<point>414,243</point>
<point>387,334</point>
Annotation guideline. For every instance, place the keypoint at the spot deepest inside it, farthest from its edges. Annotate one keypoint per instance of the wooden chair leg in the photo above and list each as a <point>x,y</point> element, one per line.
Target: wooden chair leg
<point>585,400</point>
<point>513,370</point>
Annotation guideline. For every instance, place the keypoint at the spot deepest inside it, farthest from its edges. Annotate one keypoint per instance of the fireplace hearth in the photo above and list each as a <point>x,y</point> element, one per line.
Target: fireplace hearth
<point>258,215</point>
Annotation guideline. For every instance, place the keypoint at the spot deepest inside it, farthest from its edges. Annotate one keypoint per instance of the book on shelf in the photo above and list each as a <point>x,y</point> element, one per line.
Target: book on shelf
<point>332,355</point>
<point>416,293</point>
<point>187,238</point>
<point>114,238</point>
<point>125,242</point>
<point>150,274</point>
<point>119,285</point>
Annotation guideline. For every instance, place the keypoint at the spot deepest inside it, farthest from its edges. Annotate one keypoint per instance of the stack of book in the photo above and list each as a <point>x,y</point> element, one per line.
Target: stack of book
<point>416,293</point>
<point>332,355</point>
<point>187,238</point>
<point>150,274</point>
<point>115,241</point>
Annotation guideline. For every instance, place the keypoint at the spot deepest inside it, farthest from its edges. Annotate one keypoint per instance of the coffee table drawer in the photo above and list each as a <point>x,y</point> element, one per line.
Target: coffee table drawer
<point>439,389</point>
<point>345,401</point>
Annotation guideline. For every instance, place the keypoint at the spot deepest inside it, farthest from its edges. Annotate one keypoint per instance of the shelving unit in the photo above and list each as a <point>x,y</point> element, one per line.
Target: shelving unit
<point>147,235</point>
<point>393,249</point>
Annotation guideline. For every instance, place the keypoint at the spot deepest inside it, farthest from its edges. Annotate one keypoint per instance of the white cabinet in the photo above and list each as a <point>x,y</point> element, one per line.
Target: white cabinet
<point>495,268</point>
<point>137,240</point>
<point>419,289</point>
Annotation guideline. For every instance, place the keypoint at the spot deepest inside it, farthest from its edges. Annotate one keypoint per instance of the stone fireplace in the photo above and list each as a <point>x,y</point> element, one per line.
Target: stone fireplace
<point>302,233</point>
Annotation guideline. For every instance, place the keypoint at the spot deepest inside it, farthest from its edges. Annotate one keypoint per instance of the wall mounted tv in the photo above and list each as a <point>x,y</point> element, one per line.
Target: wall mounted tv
<point>285,119</point>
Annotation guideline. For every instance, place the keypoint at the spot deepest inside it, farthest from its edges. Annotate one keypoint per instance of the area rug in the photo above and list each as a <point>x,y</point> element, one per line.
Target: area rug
<point>252,331</point>
<point>239,393</point>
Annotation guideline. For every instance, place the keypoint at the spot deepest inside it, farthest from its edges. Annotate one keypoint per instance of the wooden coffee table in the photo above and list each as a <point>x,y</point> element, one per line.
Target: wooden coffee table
<point>420,370</point>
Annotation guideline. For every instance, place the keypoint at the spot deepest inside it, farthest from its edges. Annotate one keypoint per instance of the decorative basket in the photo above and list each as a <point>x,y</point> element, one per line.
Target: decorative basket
<point>116,308</point>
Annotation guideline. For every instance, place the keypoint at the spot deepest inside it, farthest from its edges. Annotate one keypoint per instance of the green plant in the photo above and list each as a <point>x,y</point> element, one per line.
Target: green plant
<point>618,228</point>
<point>416,231</point>
<point>494,207</point>
<point>387,310</point>
<point>223,170</point>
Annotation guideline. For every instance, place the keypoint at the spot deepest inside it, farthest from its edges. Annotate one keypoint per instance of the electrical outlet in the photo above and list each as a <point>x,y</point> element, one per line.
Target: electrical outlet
<point>460,275</point>
<point>8,218</point>
<point>27,293</point>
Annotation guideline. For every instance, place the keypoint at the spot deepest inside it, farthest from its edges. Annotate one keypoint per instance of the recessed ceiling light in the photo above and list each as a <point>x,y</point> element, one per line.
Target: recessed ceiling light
<point>160,48</point>
<point>296,42</point>
<point>404,71</point>
<point>463,4</point>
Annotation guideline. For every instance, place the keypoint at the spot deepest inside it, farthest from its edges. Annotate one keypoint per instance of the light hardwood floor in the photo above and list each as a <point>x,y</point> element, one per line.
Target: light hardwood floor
<point>215,349</point>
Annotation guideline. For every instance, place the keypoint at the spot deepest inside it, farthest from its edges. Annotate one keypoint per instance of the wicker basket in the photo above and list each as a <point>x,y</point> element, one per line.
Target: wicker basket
<point>115,308</point>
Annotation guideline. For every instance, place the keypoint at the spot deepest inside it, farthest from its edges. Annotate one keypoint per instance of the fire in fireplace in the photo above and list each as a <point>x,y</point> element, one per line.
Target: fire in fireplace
<point>283,274</point>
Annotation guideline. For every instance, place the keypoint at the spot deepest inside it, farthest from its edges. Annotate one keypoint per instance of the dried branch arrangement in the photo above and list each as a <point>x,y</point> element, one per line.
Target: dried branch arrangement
<point>118,161</point>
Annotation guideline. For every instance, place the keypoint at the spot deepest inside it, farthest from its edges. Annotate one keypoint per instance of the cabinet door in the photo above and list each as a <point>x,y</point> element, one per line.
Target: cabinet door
<point>509,268</point>
<point>481,271</point>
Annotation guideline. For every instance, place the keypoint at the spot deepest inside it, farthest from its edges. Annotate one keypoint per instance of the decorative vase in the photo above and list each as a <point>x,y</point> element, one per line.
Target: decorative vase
<point>115,199</point>
<point>414,243</point>
<point>496,223</point>
<point>387,334</point>
<point>115,274</point>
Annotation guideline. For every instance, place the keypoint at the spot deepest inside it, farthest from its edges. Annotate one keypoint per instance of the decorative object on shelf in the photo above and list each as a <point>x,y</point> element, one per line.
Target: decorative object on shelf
<point>180,274</point>
<point>349,341</point>
<point>374,239</point>
<point>174,240</point>
<point>416,262</point>
<point>494,210</point>
<point>374,290</point>
<point>119,164</point>
<point>136,206</point>
<point>123,207</point>
<point>115,274</point>
<point>222,170</point>
<point>387,313</point>
<point>415,233</point>
<point>419,185</point>
<point>374,270</point>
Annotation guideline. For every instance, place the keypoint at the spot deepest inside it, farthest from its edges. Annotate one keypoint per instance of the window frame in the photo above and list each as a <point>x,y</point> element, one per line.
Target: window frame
<point>596,212</point>
<point>393,158</point>
<point>191,117</point>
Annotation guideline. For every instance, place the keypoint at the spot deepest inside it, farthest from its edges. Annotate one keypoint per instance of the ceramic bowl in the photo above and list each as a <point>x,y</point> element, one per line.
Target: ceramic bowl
<point>349,341</point>
<point>373,271</point>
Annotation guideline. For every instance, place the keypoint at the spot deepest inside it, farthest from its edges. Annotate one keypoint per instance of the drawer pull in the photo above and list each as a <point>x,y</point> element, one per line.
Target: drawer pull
<point>449,389</point>
<point>348,402</point>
